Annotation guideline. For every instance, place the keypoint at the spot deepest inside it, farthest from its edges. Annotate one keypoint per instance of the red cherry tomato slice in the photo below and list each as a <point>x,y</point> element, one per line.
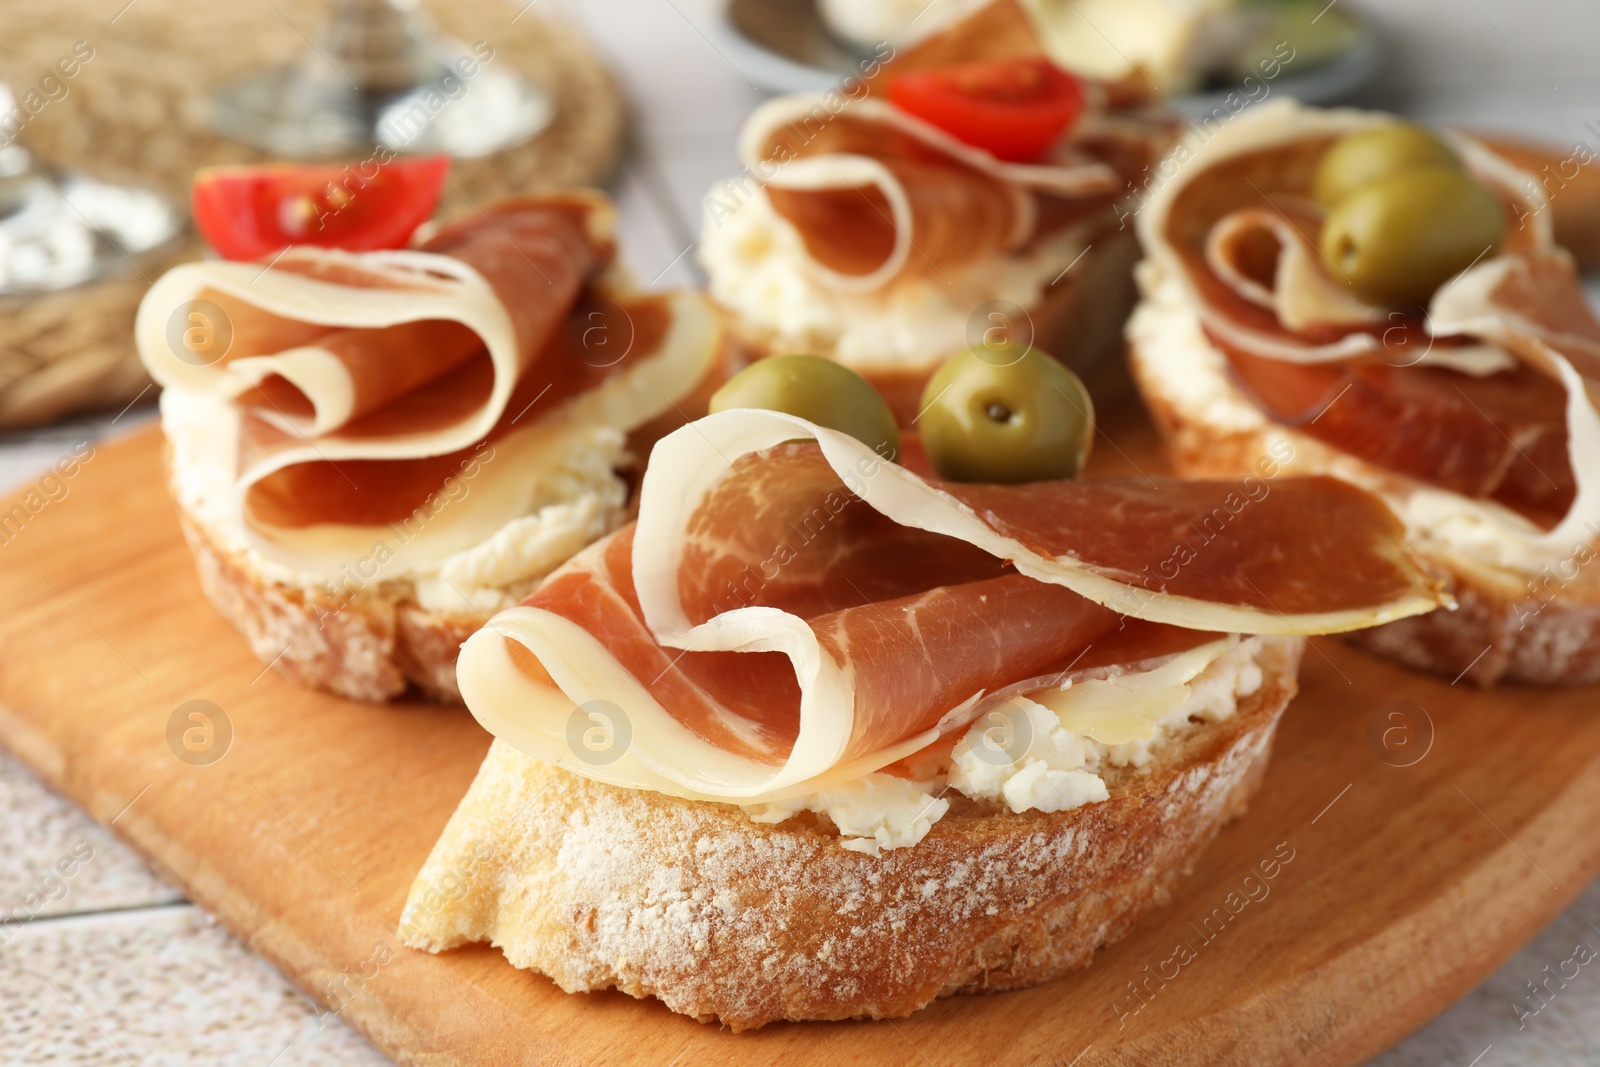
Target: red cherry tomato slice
<point>1015,109</point>
<point>248,212</point>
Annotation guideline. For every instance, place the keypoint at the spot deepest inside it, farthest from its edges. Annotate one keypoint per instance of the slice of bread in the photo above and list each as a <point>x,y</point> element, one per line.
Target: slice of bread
<point>723,918</point>
<point>374,640</point>
<point>369,633</point>
<point>369,637</point>
<point>1534,627</point>
<point>369,645</point>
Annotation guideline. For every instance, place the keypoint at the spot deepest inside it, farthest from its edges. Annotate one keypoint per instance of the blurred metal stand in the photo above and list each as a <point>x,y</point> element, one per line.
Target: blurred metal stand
<point>379,73</point>
<point>60,228</point>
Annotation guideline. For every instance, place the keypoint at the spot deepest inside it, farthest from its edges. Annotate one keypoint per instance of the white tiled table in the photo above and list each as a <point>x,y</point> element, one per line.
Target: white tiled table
<point>117,969</point>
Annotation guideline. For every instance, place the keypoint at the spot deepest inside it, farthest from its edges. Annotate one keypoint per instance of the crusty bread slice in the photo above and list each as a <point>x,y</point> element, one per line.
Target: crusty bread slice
<point>370,645</point>
<point>1537,629</point>
<point>723,918</point>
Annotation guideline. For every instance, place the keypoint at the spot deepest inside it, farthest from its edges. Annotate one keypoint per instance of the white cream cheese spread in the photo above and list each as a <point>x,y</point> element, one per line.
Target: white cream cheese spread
<point>756,265</point>
<point>1043,752</point>
<point>569,479</point>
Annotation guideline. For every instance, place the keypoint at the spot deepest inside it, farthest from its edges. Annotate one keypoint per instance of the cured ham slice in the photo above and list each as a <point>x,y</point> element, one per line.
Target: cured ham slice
<point>876,194</point>
<point>1263,255</point>
<point>1508,439</point>
<point>338,335</point>
<point>1533,306</point>
<point>1489,395</point>
<point>792,610</point>
<point>354,389</point>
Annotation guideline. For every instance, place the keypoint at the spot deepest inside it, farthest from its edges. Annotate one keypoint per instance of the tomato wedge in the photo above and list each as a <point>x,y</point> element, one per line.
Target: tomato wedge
<point>1015,109</point>
<point>247,212</point>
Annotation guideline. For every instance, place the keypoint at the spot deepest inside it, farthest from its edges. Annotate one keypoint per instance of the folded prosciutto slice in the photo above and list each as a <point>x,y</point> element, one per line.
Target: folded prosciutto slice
<point>858,231</point>
<point>876,194</point>
<point>790,610</point>
<point>349,387</point>
<point>1490,395</point>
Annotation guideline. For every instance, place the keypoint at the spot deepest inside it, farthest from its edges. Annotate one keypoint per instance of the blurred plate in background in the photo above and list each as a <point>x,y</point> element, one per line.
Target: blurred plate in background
<point>783,46</point>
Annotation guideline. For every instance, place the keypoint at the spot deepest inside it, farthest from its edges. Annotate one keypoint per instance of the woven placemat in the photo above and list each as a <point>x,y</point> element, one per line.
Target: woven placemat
<point>136,112</point>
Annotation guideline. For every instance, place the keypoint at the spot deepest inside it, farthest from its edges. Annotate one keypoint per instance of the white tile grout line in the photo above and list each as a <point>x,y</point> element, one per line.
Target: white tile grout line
<point>131,913</point>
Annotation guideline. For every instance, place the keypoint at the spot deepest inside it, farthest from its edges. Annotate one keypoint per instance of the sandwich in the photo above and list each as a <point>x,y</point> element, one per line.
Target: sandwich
<point>959,192</point>
<point>1384,304</point>
<point>374,451</point>
<point>823,734</point>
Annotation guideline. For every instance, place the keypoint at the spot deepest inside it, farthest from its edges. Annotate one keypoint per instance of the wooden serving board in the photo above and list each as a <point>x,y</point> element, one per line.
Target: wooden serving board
<point>1393,889</point>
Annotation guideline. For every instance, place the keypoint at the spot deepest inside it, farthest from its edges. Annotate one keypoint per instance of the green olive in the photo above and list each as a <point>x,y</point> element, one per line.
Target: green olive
<point>1396,241</point>
<point>1361,159</point>
<point>817,390</point>
<point>1006,415</point>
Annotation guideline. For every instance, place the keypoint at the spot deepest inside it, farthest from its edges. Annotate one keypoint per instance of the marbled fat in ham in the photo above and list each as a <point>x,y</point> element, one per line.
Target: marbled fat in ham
<point>788,612</point>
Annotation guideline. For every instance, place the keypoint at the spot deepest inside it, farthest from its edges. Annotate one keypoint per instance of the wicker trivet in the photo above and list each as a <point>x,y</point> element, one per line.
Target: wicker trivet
<point>136,112</point>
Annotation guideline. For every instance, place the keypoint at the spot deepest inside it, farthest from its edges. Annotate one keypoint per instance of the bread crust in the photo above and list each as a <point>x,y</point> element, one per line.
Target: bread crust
<point>1506,627</point>
<point>371,646</point>
<point>725,919</point>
